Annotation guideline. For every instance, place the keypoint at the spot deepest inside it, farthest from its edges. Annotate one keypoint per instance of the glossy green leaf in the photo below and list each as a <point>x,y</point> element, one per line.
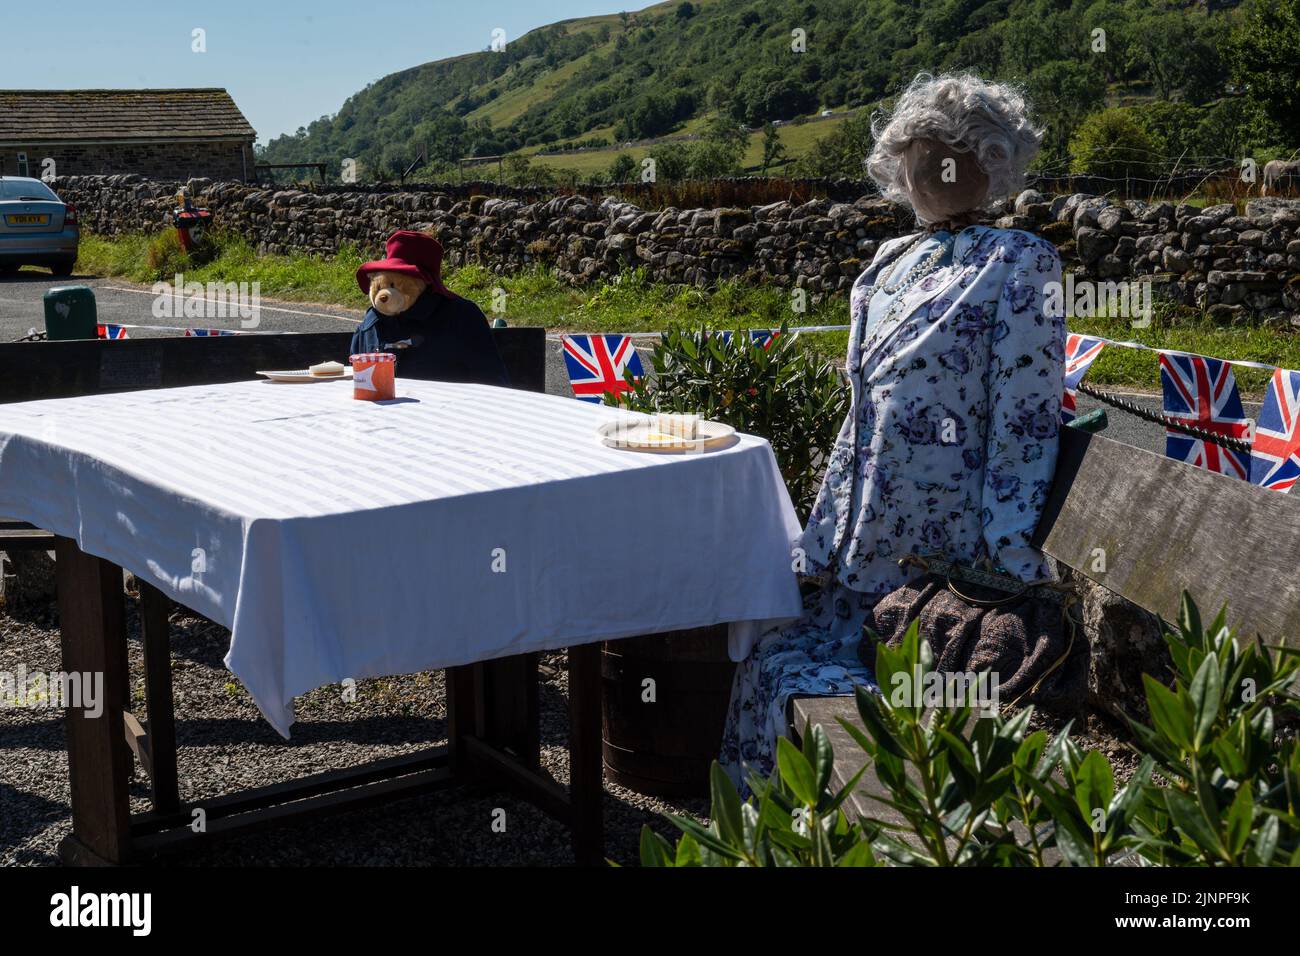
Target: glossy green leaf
<point>796,772</point>
<point>655,850</point>
<point>1169,713</point>
<point>1241,815</point>
<point>725,805</point>
<point>1205,693</point>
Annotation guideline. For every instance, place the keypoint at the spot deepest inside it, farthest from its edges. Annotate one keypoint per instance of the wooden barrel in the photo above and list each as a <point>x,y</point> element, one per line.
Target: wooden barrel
<point>663,747</point>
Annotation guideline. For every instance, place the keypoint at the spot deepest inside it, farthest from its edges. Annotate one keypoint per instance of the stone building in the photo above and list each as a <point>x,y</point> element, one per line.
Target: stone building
<point>161,134</point>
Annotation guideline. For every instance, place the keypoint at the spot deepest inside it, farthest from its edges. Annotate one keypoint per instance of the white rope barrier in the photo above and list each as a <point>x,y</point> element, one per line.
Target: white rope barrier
<point>1129,344</point>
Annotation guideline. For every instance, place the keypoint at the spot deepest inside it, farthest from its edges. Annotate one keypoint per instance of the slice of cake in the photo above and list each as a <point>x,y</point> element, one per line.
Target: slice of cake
<point>326,369</point>
<point>677,424</point>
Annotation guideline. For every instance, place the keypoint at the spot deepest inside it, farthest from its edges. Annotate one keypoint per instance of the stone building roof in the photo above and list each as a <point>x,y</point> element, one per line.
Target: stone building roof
<point>92,116</point>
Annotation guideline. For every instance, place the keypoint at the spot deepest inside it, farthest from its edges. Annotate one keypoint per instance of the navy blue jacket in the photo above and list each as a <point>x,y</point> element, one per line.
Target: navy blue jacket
<point>437,338</point>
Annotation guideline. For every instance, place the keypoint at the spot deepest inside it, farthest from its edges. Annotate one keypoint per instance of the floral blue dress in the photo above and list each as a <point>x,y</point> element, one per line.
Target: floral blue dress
<point>949,447</point>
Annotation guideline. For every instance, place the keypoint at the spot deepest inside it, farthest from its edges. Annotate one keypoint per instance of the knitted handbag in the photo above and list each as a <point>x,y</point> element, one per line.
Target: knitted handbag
<point>981,620</point>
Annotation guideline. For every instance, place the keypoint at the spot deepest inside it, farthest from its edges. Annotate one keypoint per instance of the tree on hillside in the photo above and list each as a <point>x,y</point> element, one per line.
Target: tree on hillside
<point>1263,55</point>
<point>1119,58</point>
<point>770,95</point>
<point>1232,127</point>
<point>1169,50</point>
<point>519,170</point>
<point>672,161</point>
<point>773,148</point>
<point>655,114</point>
<point>843,152</point>
<point>721,150</point>
<point>622,169</point>
<point>1172,127</point>
<point>1061,94</point>
<point>713,158</point>
<point>724,130</point>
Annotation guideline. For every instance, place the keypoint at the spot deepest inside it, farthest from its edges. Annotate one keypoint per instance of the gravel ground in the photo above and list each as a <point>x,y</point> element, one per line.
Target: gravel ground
<point>225,745</point>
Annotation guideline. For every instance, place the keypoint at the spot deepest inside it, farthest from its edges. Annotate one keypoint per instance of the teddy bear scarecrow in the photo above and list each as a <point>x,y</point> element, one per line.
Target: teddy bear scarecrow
<point>434,333</point>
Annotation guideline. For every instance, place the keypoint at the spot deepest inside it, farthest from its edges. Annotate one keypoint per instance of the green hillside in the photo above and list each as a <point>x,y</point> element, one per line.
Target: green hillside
<point>713,66</point>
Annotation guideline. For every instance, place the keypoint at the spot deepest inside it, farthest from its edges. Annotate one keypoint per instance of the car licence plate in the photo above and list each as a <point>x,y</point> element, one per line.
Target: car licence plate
<point>32,220</point>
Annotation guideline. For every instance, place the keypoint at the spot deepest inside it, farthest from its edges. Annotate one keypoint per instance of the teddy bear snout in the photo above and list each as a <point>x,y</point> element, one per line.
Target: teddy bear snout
<point>390,301</point>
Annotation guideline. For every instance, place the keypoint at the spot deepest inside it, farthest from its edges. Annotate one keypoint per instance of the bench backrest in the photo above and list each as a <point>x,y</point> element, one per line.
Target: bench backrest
<point>1147,527</point>
<point>35,370</point>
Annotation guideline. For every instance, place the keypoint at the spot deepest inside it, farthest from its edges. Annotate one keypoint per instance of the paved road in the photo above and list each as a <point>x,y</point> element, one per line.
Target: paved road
<point>125,303</point>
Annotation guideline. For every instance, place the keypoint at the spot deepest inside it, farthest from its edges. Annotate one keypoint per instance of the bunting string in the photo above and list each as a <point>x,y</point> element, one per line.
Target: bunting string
<point>1128,344</point>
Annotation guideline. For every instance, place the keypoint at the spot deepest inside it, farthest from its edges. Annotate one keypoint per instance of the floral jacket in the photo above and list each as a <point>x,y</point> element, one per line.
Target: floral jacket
<point>951,440</point>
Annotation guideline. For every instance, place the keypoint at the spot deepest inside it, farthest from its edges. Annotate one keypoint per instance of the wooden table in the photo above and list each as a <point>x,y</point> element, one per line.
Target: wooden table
<point>492,734</point>
<point>492,707</point>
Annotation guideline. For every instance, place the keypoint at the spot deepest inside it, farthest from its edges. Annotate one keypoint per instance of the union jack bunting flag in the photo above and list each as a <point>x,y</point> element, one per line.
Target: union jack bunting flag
<point>199,333</point>
<point>761,337</point>
<point>111,332</point>
<point>1202,392</point>
<point>1080,352</point>
<point>1275,451</point>
<point>596,364</point>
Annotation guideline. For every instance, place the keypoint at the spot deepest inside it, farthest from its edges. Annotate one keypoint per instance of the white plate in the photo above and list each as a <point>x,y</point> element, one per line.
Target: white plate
<point>302,375</point>
<point>640,434</point>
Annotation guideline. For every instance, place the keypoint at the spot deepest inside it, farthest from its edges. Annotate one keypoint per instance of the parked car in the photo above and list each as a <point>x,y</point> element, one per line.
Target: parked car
<point>37,228</point>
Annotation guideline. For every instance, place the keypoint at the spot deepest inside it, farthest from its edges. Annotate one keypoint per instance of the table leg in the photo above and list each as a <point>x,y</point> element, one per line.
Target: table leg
<point>115,640</point>
<point>586,771</point>
<point>91,615</point>
<point>154,610</point>
<point>462,713</point>
<point>509,707</point>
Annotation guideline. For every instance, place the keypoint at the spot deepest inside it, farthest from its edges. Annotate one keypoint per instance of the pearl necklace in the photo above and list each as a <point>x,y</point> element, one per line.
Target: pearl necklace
<point>911,277</point>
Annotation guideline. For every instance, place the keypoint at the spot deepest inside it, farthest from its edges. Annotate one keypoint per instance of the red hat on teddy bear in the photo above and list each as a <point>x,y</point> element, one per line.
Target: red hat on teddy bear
<point>412,253</point>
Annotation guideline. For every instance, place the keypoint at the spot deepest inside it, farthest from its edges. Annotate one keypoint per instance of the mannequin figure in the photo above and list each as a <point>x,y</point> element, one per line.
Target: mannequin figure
<point>957,374</point>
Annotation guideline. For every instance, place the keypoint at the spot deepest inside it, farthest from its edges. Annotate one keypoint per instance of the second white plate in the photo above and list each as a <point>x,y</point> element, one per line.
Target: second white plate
<point>637,434</point>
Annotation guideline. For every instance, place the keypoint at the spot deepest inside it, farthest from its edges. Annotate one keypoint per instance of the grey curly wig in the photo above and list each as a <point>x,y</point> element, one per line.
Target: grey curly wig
<point>966,112</point>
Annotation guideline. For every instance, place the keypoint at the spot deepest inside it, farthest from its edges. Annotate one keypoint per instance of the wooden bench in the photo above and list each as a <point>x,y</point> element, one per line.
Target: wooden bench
<point>492,707</point>
<point>1147,528</point>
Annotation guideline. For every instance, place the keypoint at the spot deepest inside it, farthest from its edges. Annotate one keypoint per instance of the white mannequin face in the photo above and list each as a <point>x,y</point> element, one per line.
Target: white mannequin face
<point>941,181</point>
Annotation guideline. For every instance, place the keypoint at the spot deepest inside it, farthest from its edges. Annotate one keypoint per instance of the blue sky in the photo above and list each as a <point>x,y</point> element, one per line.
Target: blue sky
<point>286,62</point>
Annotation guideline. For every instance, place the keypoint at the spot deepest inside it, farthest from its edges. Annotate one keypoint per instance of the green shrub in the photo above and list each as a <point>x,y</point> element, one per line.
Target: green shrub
<point>622,169</point>
<point>794,819</point>
<point>785,393</point>
<point>982,791</point>
<point>1224,738</point>
<point>165,258</point>
<point>1112,143</point>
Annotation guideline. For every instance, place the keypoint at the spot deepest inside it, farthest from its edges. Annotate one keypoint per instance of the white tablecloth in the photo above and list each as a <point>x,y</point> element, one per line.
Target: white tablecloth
<point>339,538</point>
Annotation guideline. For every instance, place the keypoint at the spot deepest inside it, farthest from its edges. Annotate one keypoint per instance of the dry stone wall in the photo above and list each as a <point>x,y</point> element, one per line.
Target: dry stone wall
<point>1237,266</point>
<point>1233,266</point>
